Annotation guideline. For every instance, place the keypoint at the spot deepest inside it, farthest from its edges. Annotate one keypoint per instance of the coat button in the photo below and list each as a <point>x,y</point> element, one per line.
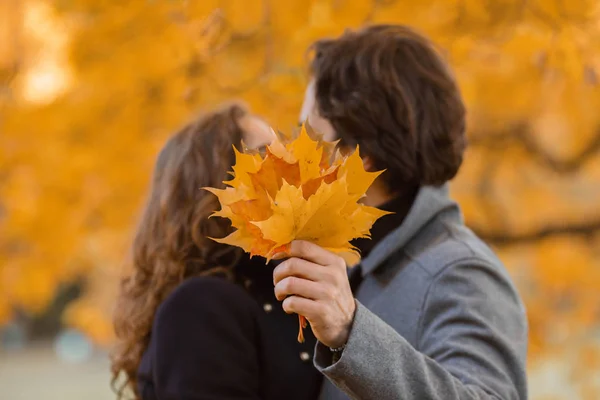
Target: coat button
<point>304,356</point>
<point>267,307</point>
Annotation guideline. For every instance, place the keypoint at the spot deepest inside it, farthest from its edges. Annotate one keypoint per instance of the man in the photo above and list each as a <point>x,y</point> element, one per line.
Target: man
<point>433,313</point>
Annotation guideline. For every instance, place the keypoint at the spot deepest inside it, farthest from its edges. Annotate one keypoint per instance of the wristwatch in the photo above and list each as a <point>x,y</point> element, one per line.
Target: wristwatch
<point>336,353</point>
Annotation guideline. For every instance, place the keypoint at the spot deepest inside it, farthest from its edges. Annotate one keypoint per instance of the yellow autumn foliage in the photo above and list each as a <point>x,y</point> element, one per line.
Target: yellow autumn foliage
<point>300,190</point>
<point>90,90</point>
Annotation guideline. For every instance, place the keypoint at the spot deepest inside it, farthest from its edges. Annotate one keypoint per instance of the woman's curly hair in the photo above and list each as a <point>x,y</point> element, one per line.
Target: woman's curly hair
<point>171,243</point>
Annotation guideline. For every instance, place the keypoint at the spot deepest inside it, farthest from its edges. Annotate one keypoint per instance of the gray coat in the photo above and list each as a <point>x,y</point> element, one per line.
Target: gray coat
<point>437,317</point>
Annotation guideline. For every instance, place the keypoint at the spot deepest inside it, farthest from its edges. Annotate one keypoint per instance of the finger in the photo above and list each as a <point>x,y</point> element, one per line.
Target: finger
<point>302,269</point>
<point>312,252</point>
<point>301,306</point>
<point>292,286</point>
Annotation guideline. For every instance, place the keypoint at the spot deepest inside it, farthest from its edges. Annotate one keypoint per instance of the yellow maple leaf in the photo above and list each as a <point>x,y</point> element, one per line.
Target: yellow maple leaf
<point>302,189</point>
<point>245,166</point>
<point>358,179</point>
<point>308,153</point>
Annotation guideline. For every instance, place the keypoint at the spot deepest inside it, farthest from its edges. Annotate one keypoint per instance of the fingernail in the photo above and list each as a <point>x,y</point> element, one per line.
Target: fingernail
<point>278,256</point>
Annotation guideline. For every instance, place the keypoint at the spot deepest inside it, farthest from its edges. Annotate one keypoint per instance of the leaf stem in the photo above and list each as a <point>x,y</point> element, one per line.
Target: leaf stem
<point>302,325</point>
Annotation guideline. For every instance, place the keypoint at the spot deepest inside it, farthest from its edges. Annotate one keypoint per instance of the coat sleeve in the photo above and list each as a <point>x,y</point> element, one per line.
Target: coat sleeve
<point>472,345</point>
<point>204,343</point>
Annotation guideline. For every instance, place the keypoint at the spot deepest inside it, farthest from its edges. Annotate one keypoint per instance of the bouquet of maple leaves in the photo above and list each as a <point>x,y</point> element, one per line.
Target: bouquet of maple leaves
<point>303,188</point>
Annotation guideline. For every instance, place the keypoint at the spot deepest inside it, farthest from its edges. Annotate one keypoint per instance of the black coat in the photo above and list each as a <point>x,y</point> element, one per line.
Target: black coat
<point>214,339</point>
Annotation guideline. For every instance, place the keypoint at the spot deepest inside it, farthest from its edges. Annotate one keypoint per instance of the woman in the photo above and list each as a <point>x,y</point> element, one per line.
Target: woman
<point>197,319</point>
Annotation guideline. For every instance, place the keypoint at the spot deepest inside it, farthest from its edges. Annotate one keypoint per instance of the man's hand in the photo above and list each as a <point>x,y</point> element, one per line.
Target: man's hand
<point>314,283</point>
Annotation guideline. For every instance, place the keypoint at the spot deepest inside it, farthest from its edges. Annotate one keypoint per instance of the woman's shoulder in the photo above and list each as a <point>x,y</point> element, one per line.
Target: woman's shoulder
<point>203,341</point>
<point>207,296</point>
<point>200,287</point>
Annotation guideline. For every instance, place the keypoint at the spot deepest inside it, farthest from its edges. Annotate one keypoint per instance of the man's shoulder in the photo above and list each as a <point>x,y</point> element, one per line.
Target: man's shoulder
<point>444,243</point>
<point>444,260</point>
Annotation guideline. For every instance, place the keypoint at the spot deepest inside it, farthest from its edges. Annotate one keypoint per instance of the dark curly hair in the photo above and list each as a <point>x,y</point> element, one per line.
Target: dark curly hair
<point>172,242</point>
<point>387,89</point>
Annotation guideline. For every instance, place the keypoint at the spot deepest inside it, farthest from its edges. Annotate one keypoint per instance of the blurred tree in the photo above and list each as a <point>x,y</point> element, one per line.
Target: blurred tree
<point>79,134</point>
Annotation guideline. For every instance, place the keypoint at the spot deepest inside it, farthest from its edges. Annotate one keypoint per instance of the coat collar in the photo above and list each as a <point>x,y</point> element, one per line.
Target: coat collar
<point>430,201</point>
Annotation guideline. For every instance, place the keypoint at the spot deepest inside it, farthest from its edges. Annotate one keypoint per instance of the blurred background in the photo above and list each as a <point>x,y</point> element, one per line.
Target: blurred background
<point>90,90</point>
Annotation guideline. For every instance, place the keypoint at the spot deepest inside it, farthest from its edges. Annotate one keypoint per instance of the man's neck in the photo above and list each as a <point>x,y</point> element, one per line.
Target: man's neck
<point>399,205</point>
<point>377,195</point>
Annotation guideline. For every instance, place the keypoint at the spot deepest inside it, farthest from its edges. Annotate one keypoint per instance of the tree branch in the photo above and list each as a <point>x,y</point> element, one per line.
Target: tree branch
<point>519,134</point>
<point>586,228</point>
